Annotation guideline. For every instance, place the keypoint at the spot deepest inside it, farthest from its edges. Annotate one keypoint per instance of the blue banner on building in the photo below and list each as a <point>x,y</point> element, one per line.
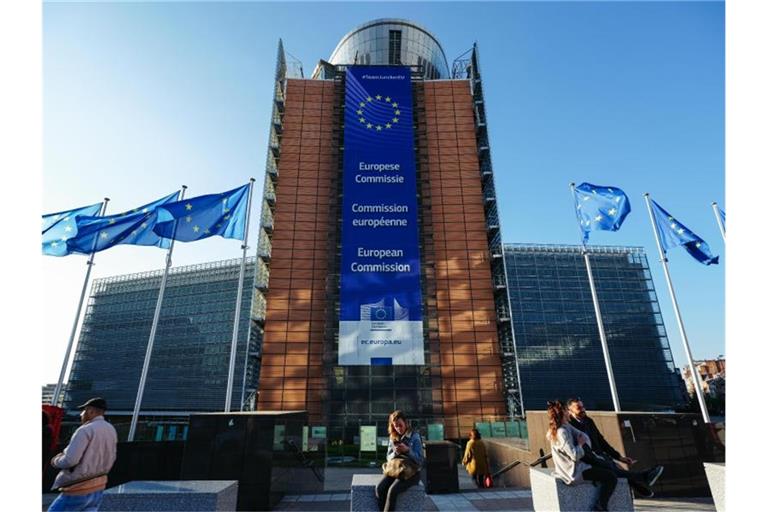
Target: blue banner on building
<point>380,321</point>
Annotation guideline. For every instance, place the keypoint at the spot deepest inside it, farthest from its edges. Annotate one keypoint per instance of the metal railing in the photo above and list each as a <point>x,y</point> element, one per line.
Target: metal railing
<point>541,460</point>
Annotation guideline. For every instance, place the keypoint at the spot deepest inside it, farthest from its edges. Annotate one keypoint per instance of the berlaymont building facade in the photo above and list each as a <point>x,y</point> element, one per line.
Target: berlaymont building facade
<point>377,209</point>
<point>380,280</point>
<point>385,257</point>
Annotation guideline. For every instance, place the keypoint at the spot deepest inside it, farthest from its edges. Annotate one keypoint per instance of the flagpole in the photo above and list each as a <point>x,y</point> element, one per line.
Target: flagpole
<point>235,329</point>
<point>598,314</point>
<point>59,384</point>
<point>152,333</point>
<point>664,263</point>
<point>718,219</point>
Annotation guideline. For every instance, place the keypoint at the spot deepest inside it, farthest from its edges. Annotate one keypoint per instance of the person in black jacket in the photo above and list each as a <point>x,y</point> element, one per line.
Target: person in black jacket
<point>604,455</point>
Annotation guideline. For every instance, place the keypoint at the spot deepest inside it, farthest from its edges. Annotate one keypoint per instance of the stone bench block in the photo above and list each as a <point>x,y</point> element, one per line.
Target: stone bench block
<point>364,495</point>
<point>177,495</point>
<point>716,479</point>
<point>551,494</point>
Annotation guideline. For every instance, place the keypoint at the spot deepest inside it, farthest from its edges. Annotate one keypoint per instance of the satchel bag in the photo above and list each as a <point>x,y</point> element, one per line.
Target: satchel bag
<point>400,467</point>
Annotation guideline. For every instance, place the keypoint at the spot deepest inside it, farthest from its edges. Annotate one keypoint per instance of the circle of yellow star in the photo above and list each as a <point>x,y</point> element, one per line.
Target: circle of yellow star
<point>385,101</point>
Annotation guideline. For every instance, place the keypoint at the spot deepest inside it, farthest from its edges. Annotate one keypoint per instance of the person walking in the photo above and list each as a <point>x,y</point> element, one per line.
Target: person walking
<point>475,458</point>
<point>404,444</point>
<point>604,455</point>
<point>85,461</point>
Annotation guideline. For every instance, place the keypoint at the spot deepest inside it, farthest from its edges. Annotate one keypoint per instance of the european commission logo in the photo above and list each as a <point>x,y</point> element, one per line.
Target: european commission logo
<point>378,113</point>
<point>380,312</point>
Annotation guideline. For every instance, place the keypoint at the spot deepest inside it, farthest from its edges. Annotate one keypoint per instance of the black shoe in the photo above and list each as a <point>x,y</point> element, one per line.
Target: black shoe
<point>599,508</point>
<point>654,475</point>
<point>642,491</point>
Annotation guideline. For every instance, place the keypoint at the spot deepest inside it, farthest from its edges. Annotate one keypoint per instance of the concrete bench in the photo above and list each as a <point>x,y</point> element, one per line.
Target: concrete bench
<point>716,479</point>
<point>551,494</point>
<point>363,497</point>
<point>177,495</point>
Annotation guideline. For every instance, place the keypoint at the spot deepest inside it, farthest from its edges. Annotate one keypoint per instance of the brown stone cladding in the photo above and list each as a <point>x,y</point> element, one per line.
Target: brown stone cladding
<point>292,361</point>
<point>466,340</point>
<point>463,343</point>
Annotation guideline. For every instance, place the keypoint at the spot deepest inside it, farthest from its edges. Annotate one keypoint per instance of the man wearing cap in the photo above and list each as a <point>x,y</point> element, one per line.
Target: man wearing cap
<point>85,462</point>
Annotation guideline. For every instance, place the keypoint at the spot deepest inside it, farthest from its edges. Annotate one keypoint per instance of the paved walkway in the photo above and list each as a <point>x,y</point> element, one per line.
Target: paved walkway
<point>501,499</point>
<point>340,479</point>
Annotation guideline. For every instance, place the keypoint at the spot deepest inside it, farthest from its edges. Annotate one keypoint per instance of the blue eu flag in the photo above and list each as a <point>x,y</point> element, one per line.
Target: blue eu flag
<point>133,227</point>
<point>200,217</point>
<point>600,208</point>
<point>673,233</point>
<point>60,227</point>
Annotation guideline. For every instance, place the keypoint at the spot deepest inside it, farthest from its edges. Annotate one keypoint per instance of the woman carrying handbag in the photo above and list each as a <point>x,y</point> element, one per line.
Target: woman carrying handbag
<point>476,460</point>
<point>405,456</point>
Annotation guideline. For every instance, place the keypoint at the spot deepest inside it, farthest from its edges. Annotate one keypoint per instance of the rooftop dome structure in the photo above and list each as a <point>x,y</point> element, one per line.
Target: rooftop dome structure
<point>390,41</point>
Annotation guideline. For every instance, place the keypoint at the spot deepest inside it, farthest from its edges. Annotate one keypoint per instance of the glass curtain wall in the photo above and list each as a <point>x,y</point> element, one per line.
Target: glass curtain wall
<point>190,359</point>
<point>558,345</point>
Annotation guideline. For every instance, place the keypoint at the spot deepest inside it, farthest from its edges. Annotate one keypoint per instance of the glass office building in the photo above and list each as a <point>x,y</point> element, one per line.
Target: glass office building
<point>557,341</point>
<point>190,358</point>
<point>469,372</point>
<point>474,343</point>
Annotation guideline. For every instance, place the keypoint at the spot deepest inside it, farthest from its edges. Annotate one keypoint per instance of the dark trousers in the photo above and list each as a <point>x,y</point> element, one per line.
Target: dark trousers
<point>388,489</point>
<point>607,480</point>
<point>636,480</point>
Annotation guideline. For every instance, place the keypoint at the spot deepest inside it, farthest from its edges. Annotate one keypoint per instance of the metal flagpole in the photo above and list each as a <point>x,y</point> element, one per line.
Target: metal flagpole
<point>603,339</point>
<point>233,349</point>
<point>718,219</point>
<point>598,314</point>
<point>664,263</point>
<point>59,384</point>
<point>152,333</point>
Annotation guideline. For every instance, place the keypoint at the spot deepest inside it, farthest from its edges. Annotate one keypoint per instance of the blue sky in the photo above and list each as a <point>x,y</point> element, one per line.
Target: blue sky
<point>142,98</point>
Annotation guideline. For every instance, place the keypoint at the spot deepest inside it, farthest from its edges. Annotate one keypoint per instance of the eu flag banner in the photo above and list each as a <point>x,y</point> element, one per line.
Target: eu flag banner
<point>380,321</point>
<point>600,208</point>
<point>204,216</point>
<point>60,227</point>
<point>133,227</point>
<point>673,233</point>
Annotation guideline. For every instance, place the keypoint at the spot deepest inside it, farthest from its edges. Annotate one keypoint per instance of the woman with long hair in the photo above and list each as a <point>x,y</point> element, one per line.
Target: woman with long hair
<point>404,443</point>
<point>475,458</point>
<point>568,448</point>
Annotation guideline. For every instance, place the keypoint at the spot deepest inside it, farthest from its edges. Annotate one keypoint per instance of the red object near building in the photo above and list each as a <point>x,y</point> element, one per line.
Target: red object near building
<point>55,415</point>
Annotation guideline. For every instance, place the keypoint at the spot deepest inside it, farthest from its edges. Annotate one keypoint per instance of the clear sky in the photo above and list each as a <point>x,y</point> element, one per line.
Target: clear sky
<point>140,98</point>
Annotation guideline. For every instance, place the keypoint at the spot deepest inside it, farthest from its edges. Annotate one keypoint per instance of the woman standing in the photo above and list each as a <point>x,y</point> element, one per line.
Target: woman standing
<point>475,458</point>
<point>567,451</point>
<point>404,443</point>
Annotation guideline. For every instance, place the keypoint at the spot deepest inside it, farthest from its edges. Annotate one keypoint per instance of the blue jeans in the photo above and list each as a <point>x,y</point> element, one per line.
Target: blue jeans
<point>86,502</point>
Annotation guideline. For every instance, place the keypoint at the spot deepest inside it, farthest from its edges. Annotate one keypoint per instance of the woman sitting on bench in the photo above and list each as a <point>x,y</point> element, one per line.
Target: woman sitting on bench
<point>405,455</point>
<point>567,451</point>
